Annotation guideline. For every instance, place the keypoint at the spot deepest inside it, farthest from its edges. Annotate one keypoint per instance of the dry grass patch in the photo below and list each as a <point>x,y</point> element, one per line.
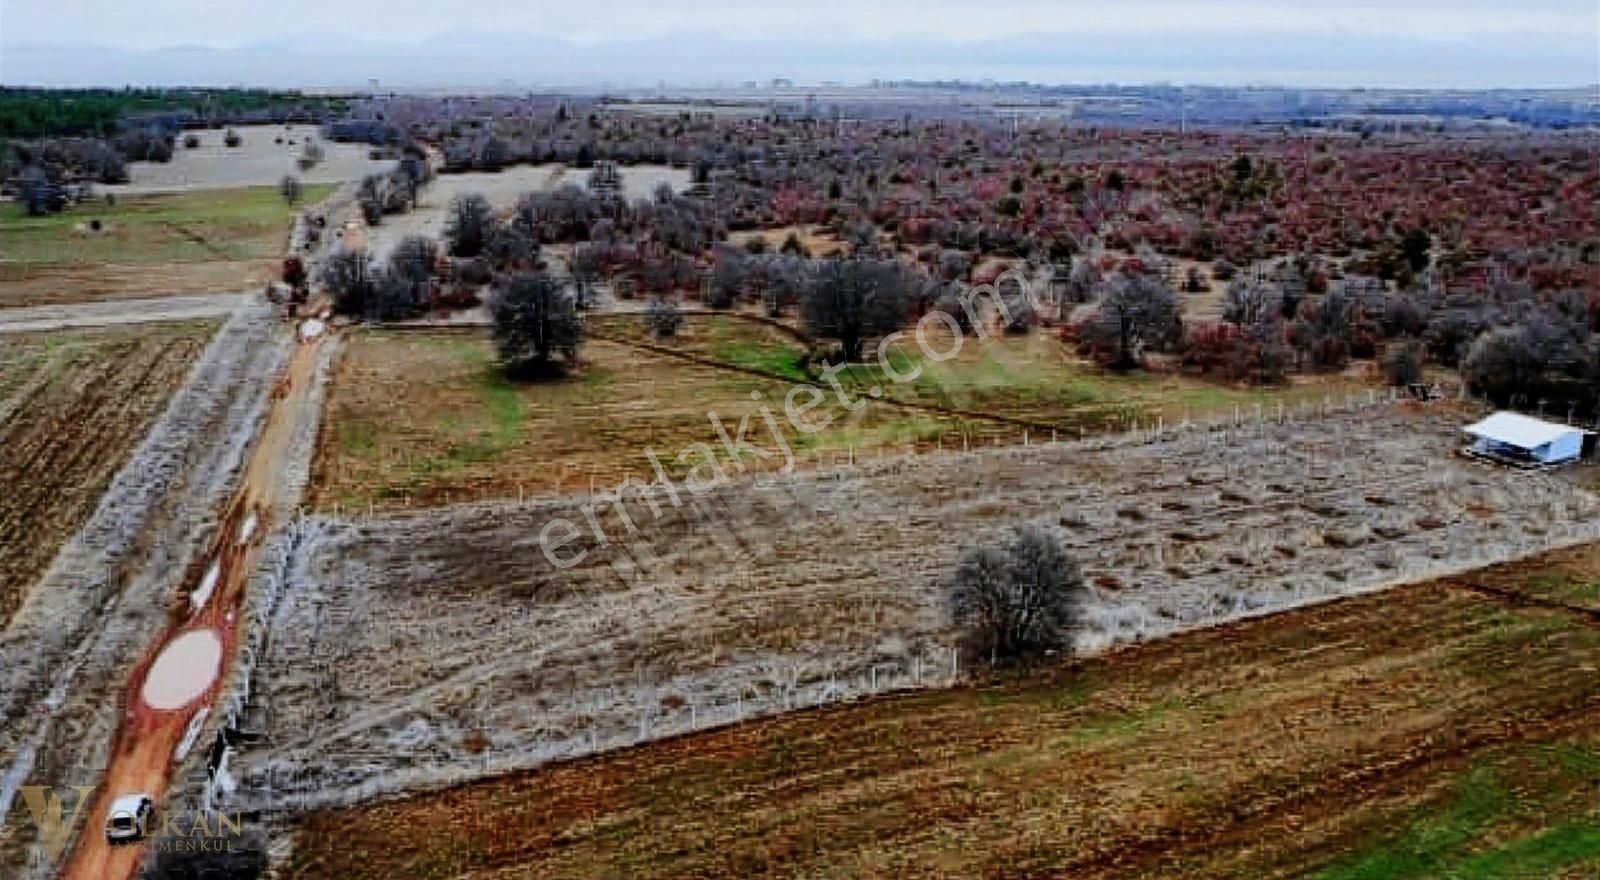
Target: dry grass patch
<point>421,418</point>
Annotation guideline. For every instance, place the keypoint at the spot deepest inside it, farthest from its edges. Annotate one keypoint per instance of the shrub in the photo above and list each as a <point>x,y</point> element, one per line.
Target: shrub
<point>348,277</point>
<point>310,155</point>
<point>662,316</point>
<point>469,225</point>
<point>1138,312</point>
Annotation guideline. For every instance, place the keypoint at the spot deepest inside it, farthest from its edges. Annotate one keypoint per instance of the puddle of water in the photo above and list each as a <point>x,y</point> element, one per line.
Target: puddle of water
<point>186,667</point>
<point>208,585</point>
<point>247,528</point>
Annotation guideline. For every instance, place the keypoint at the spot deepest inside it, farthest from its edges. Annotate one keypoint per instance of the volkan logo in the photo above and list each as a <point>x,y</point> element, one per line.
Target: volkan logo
<point>45,807</point>
<point>196,832</point>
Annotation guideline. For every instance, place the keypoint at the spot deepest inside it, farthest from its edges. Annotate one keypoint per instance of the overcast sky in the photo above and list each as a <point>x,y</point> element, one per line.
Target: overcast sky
<point>1469,43</point>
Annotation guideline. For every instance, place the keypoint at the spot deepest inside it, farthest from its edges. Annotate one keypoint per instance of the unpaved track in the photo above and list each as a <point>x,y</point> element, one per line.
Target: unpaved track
<point>67,649</point>
<point>121,311</point>
<point>142,756</point>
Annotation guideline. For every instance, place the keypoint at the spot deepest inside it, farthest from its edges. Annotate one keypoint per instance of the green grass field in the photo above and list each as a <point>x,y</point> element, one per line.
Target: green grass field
<point>1032,377</point>
<point>424,418</point>
<point>1035,377</point>
<point>239,224</point>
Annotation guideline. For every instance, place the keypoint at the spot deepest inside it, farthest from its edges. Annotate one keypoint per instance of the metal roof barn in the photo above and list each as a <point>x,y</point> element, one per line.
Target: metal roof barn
<point>1521,439</point>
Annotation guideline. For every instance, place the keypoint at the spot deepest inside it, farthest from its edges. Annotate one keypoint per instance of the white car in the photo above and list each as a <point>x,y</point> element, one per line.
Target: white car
<point>129,817</point>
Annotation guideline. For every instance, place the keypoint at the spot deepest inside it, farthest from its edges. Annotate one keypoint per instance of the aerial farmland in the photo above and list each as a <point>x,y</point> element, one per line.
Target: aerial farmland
<point>904,479</point>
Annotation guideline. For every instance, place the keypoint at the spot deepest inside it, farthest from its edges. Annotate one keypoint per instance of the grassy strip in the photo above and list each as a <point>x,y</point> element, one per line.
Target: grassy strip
<point>232,224</point>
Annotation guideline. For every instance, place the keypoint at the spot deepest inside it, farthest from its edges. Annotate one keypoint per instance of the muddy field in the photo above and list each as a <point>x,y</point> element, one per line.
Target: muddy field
<point>413,649</point>
<point>1252,750</point>
<point>259,161</point>
<point>73,404</point>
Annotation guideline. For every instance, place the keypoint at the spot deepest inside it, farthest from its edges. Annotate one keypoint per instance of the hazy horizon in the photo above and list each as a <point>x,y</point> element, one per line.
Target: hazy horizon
<point>409,44</point>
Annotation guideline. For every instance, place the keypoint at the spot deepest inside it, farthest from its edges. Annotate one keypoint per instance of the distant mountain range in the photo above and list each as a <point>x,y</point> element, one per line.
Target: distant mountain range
<point>498,61</point>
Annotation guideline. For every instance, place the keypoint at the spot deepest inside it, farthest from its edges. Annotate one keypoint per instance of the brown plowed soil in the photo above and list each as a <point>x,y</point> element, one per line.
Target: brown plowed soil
<point>56,285</point>
<point>73,404</point>
<point>1419,731</point>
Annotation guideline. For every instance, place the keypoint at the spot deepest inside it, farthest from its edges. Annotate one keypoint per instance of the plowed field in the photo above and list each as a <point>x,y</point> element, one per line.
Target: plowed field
<point>1430,731</point>
<point>73,404</point>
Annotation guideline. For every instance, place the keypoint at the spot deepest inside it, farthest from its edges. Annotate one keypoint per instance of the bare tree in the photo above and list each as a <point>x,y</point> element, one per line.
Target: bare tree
<point>1018,600</point>
<point>1137,312</point>
<point>727,277</point>
<point>855,300</point>
<point>1402,364</point>
<point>310,155</point>
<point>1528,361</point>
<point>1247,302</point>
<point>406,289</point>
<point>349,279</point>
<point>1019,313</point>
<point>510,248</point>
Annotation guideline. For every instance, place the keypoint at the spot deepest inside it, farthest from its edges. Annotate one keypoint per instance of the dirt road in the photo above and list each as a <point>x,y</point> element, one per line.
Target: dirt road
<point>120,311</point>
<point>67,650</point>
<point>147,737</point>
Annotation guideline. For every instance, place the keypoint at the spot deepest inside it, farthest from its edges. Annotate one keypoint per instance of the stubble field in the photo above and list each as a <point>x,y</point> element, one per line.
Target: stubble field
<point>414,649</point>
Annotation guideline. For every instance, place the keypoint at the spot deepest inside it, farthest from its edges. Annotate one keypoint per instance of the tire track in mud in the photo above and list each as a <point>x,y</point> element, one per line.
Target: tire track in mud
<point>143,745</point>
